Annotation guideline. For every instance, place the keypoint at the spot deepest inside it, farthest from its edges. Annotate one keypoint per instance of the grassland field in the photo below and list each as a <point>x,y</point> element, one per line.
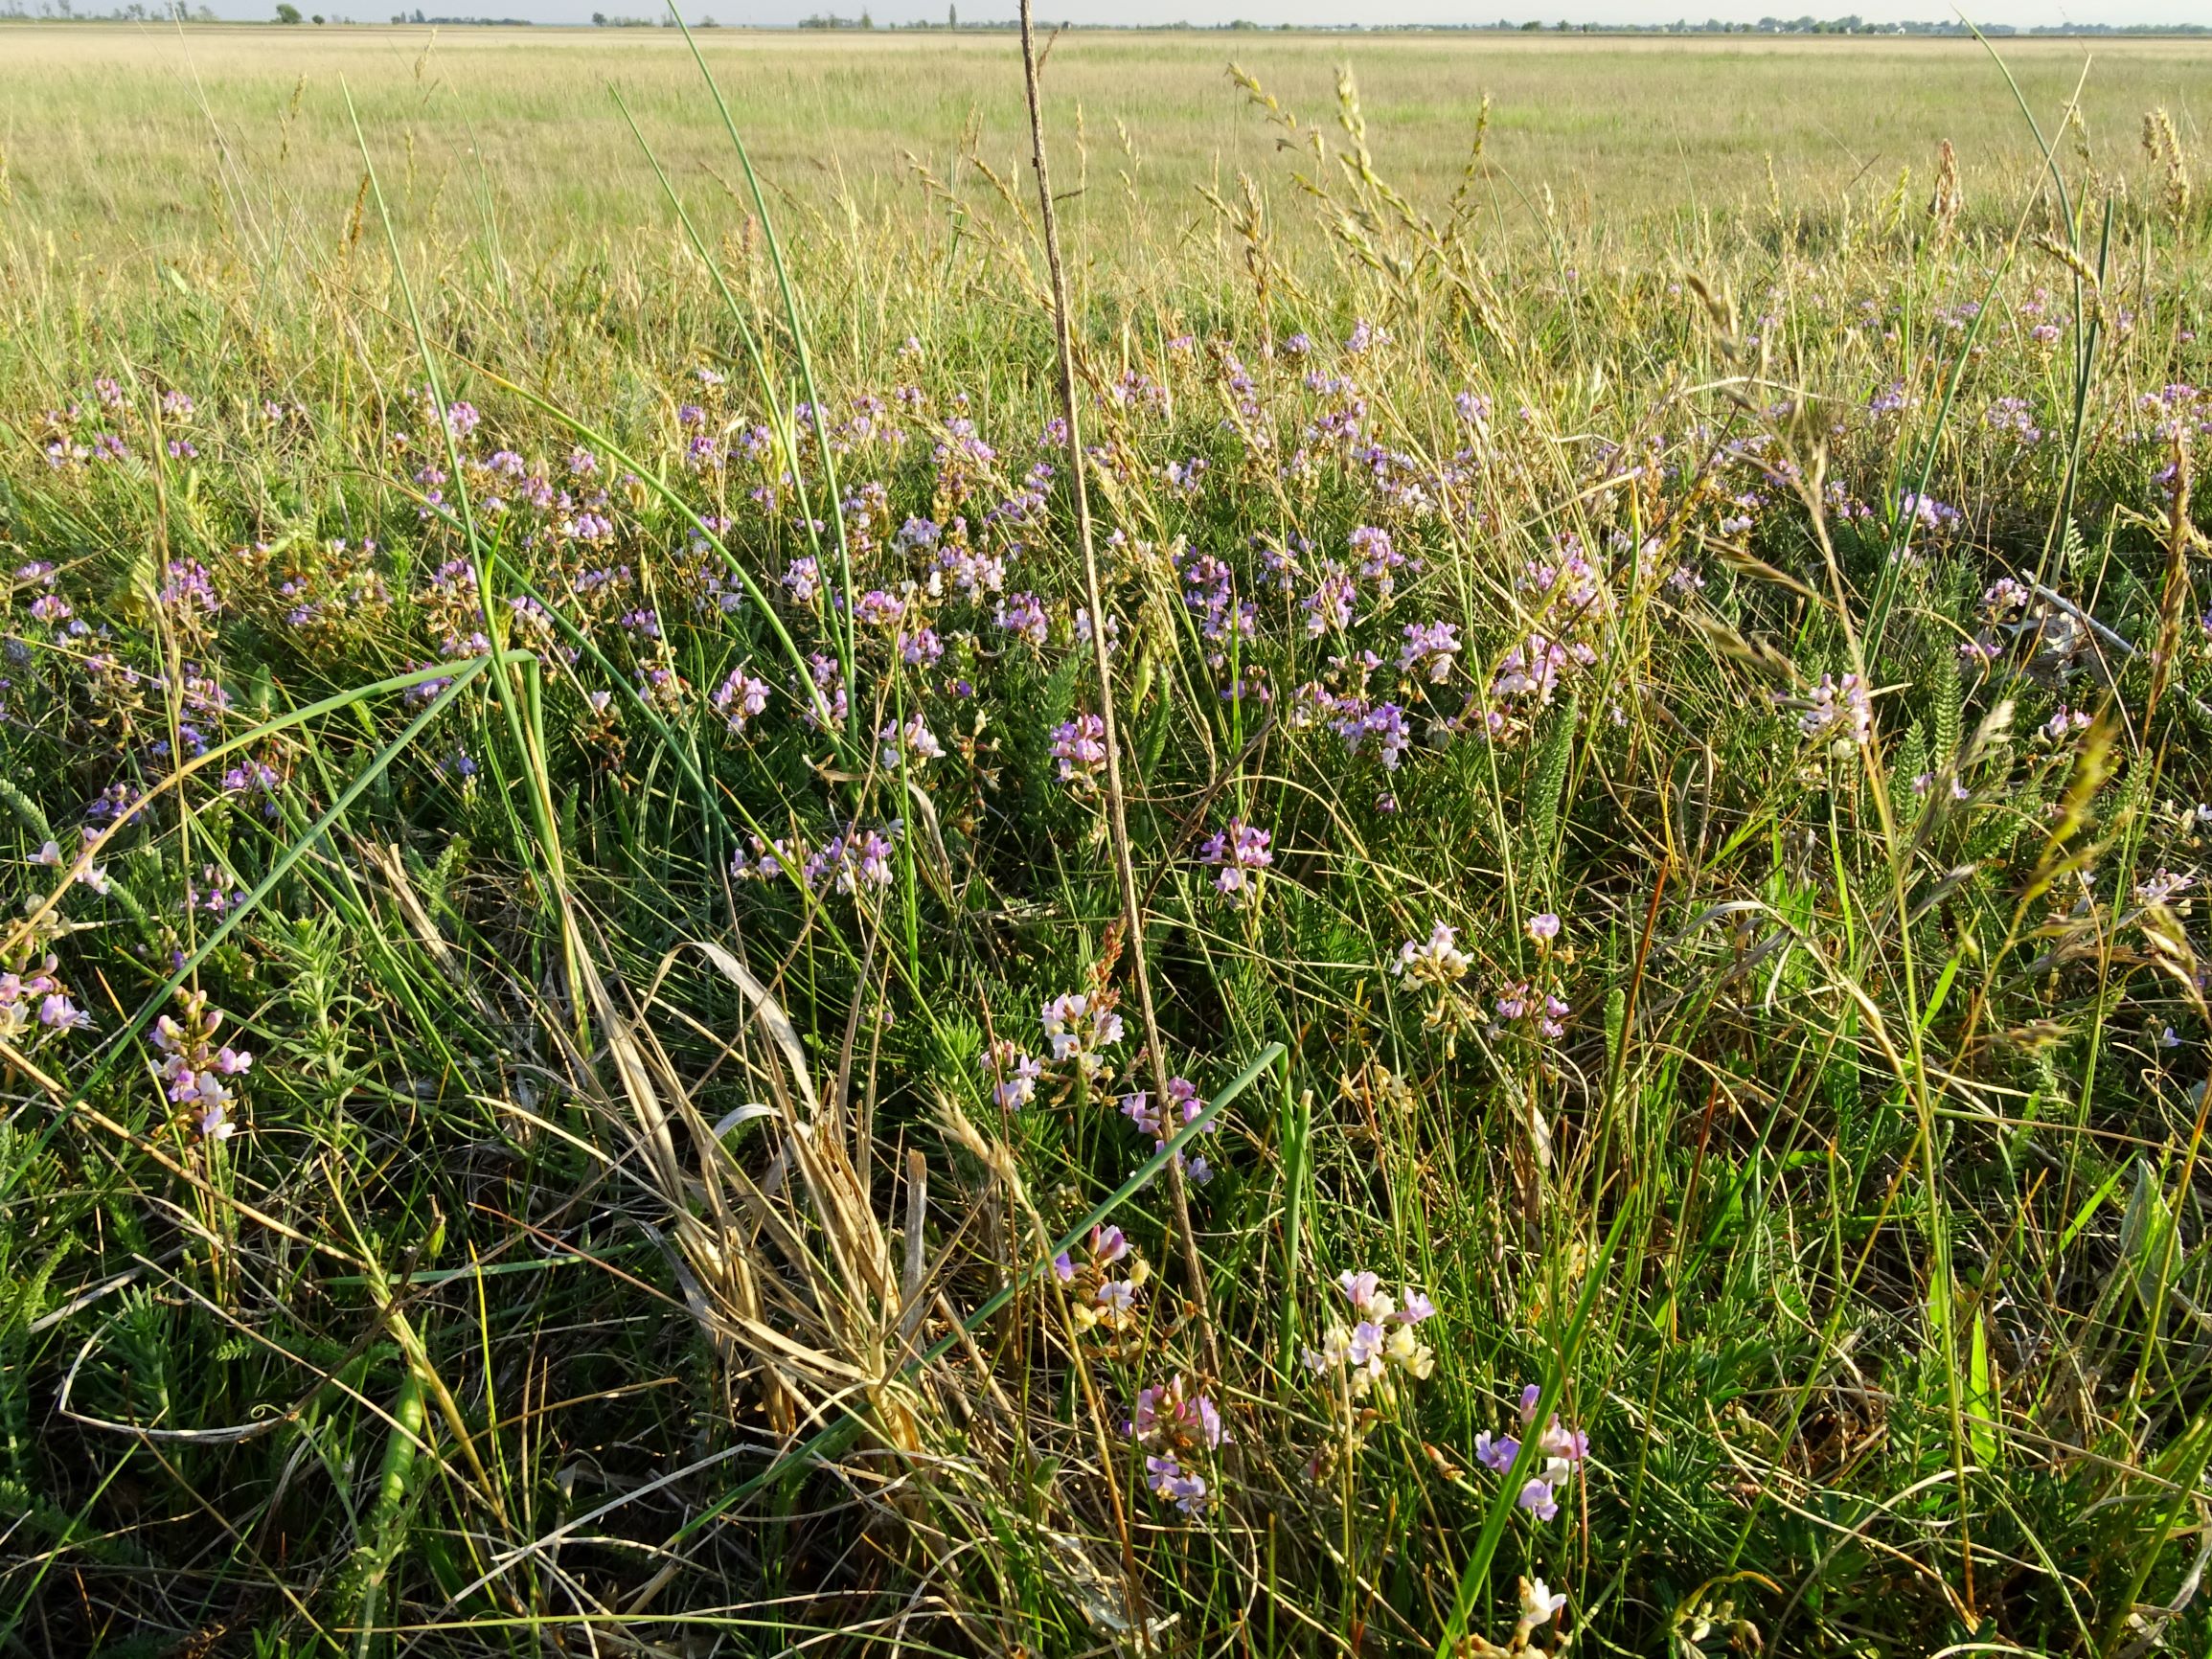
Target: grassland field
<point>1446,903</point>
<point>109,130</point>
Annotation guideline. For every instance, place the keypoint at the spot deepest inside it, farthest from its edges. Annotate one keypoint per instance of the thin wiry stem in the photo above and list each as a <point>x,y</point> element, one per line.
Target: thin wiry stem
<point>1117,805</point>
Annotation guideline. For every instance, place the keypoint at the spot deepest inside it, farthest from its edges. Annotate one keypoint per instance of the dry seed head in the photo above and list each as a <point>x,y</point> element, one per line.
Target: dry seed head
<point>2163,145</point>
<point>1949,200</point>
<point>2067,257</point>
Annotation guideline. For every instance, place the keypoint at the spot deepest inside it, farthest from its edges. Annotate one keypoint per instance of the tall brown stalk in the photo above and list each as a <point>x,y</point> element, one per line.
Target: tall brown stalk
<point>1117,808</point>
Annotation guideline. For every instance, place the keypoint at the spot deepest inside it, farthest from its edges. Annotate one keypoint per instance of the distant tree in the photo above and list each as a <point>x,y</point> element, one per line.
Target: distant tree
<point>318,17</point>
<point>599,20</point>
<point>287,12</point>
<point>866,21</point>
<point>952,17</point>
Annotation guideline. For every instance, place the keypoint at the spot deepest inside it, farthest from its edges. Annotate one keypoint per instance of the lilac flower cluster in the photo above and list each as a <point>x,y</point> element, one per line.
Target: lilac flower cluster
<point>739,698</point>
<point>1563,1452</point>
<point>1429,651</point>
<point>1079,747</point>
<point>1178,1427</point>
<point>854,860</point>
<point>1081,1026</point>
<point>1342,702</point>
<point>1104,1288</point>
<point>1844,707</point>
<point>93,875</point>
<point>1380,1342</point>
<point>1239,852</point>
<point>36,1006</point>
<point>196,1069</point>
<point>1164,1122</point>
<point>1013,1074</point>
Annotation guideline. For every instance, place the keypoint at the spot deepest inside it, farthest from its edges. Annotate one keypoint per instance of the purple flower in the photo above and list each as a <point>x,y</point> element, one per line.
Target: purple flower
<point>803,578</point>
<point>739,698</point>
<point>1237,852</point>
<point>1016,1074</point>
<point>914,741</point>
<point>1021,614</point>
<point>188,587</point>
<point>1430,648</point>
<point>1536,1497</point>
<point>1366,334</point>
<point>1078,745</point>
<point>1183,1108</point>
<point>1080,1028</point>
<point>1169,1483</point>
<point>58,1013</point>
<point>876,608</point>
<point>829,685</point>
<point>1330,607</point>
<point>1379,560</point>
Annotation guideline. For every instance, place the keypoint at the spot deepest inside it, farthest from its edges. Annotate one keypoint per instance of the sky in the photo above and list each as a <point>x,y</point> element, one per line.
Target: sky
<point>2022,13</point>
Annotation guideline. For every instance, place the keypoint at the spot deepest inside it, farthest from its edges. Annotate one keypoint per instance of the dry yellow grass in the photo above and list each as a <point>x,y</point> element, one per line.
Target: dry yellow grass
<point>110,132</point>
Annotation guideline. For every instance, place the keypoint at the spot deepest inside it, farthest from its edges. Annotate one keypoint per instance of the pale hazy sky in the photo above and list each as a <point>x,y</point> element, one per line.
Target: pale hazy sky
<point>2023,14</point>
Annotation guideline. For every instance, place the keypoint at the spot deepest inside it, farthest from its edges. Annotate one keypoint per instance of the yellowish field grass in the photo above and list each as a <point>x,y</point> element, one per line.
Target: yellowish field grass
<point>112,134</point>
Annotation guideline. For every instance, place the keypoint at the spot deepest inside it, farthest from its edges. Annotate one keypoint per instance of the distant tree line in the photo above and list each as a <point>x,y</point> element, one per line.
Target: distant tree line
<point>66,11</point>
<point>177,11</point>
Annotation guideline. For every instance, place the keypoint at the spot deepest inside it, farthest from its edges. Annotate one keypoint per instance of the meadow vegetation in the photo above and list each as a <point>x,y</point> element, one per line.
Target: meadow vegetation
<point>1527,983</point>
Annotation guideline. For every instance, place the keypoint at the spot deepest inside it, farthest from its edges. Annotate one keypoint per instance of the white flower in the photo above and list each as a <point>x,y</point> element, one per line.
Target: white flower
<point>1437,961</point>
<point>1537,1604</point>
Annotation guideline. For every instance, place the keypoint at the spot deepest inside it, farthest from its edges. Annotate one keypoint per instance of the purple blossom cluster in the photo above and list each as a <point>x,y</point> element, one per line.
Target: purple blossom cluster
<point>1079,748</point>
<point>1180,1429</point>
<point>1104,1288</point>
<point>1078,1027</point>
<point>854,860</point>
<point>196,1071</point>
<point>1378,1344</point>
<point>1238,852</point>
<point>35,1005</point>
<point>1164,1122</point>
<point>1561,1452</point>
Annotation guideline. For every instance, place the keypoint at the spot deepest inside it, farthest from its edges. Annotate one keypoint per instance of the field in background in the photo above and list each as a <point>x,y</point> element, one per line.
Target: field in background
<point>110,132</point>
<point>574,1073</point>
